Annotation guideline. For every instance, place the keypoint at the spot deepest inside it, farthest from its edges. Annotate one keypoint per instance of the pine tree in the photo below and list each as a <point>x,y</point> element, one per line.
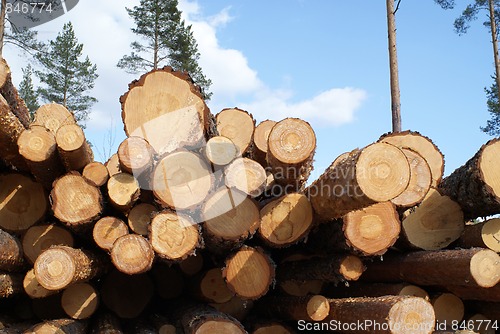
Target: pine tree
<point>166,40</point>
<point>27,91</point>
<point>492,125</point>
<point>67,79</point>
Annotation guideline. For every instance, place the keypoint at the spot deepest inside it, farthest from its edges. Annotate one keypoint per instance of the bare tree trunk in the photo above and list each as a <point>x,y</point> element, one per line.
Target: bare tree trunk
<point>494,40</point>
<point>393,65</point>
<point>2,25</point>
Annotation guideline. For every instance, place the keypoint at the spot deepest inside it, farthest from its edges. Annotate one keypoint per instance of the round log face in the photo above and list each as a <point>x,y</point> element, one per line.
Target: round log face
<point>214,287</point>
<point>261,134</point>
<point>292,141</point>
<point>318,308</point>
<point>448,308</point>
<point>107,230</point>
<point>221,150</point>
<point>139,218</point>
<point>40,237</point>
<point>123,190</point>
<point>70,137</point>
<point>219,327</point>
<point>55,269</point>
<point>132,254</point>
<point>237,125</point>
<point>491,234</point>
<point>37,144</point>
<point>412,315</point>
<point>485,268</point>
<point>52,116</point>
<point>135,155</point>
<point>80,301</point>
<point>247,176</point>
<point>488,165</point>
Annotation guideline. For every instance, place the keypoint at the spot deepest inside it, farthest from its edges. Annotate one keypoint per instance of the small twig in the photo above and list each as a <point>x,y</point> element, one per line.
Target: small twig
<point>397,7</point>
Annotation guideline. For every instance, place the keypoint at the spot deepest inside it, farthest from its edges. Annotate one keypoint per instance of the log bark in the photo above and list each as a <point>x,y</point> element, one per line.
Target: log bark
<point>286,220</point>
<point>203,319</point>
<point>237,125</point>
<point>67,326</point>
<point>192,264</point>
<point>377,173</point>
<point>249,273</point>
<point>107,230</point>
<point>309,308</point>
<point>260,137</point>
<point>52,116</point>
<point>392,314</point>
<point>475,267</point>
<point>38,147</point>
<point>475,293</point>
<point>247,176</point>
<point>11,253</point>
<point>136,157</point>
<point>10,93</point>
<point>123,191</point>
<point>73,148</point>
<point>11,284</point>
<point>139,218</point>
<point>448,308</point>
<point>421,145</point>
<point>38,238</point>
<point>235,307</point>
<point>221,150</point>
<point>132,254</point>
<point>33,288</point>
<point>168,280</point>
<point>210,286</point>
<point>106,323</point>
<point>270,327</point>
<point>291,147</point>
<point>80,301</point>
<point>475,185</point>
<point>174,236</point>
<point>10,130</point>
<point>363,289</point>
<point>59,266</point>
<point>96,173</point>
<point>484,234</point>
<point>434,224</point>
<point>165,98</point>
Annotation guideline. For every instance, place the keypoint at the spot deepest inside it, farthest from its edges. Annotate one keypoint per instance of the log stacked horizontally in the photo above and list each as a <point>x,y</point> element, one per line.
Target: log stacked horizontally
<point>206,223</point>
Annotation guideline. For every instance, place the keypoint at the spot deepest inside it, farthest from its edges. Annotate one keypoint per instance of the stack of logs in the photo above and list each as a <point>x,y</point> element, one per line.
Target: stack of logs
<point>207,224</point>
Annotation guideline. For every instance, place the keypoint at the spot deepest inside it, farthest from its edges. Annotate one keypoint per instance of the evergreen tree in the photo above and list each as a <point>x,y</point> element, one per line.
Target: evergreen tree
<point>66,78</point>
<point>27,91</point>
<point>165,40</point>
<point>492,125</point>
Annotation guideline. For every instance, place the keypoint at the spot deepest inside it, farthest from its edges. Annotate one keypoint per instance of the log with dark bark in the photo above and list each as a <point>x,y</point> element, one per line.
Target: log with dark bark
<point>96,172</point>
<point>106,323</point>
<point>41,237</point>
<point>52,116</point>
<point>11,253</point>
<point>235,307</point>
<point>485,234</point>
<point>74,150</point>
<point>377,173</point>
<point>203,319</point>
<point>33,288</point>
<point>106,230</point>
<point>80,301</point>
<point>260,137</point>
<point>10,93</point>
<point>246,175</point>
<point>448,308</point>
<point>67,326</point>
<point>10,130</point>
<point>363,289</point>
<point>475,293</point>
<point>11,284</point>
<point>309,308</point>
<point>132,254</point>
<point>237,125</point>
<point>475,185</point>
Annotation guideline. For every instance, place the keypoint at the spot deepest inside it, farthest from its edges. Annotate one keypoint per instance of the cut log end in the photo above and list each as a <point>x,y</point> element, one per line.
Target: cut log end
<point>132,254</point>
<point>33,288</point>
<point>139,218</point>
<point>55,269</point>
<point>80,301</point>
<point>123,190</point>
<point>247,176</point>
<point>38,238</point>
<point>237,125</point>
<point>52,116</point>
<point>73,147</point>
<point>411,314</point>
<point>485,268</point>
<point>488,164</point>
<point>96,172</point>
<point>218,326</point>
<point>318,308</point>
<point>291,141</point>
<point>490,234</point>
<point>351,267</point>
<point>261,135</point>
<point>36,144</point>
<point>135,155</point>
<point>107,230</point>
<point>213,287</point>
<point>221,150</point>
<point>448,308</point>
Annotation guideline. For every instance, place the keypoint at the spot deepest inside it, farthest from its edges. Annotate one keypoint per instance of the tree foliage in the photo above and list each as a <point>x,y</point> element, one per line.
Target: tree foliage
<point>66,78</point>
<point>165,39</point>
<point>493,124</point>
<point>27,90</point>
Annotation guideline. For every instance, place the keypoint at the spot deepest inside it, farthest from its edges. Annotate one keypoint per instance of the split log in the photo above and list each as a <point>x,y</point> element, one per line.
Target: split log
<point>249,272</point>
<point>423,146</point>
<point>468,267</point>
<point>10,93</point>
<point>168,280</point>
<point>38,238</point>
<point>139,218</point>
<point>377,173</point>
<point>113,165</point>
<point>485,235</point>
<point>33,288</point>
<point>74,150</point>
<point>388,314</point>
<point>106,230</point>
<point>11,284</point>
<point>139,292</point>
<point>97,173</point>
<point>123,191</point>
<point>38,147</point>
<point>309,308</point>
<point>10,130</point>
<point>246,175</point>
<point>106,323</point>
<point>230,218</point>
<point>52,116</point>
<point>367,232</point>
<point>182,180</point>
<point>80,301</point>
<point>165,98</point>
<point>203,319</point>
<point>237,125</point>
<point>221,150</point>
<point>136,157</point>
<point>59,266</point>
<point>210,287</point>
<point>260,137</point>
<point>69,326</point>
<point>286,220</point>
<point>291,147</point>
<point>132,254</point>
<point>448,308</point>
<point>174,236</point>
<point>11,253</point>
<point>76,202</point>
<point>363,289</point>
<point>475,185</point>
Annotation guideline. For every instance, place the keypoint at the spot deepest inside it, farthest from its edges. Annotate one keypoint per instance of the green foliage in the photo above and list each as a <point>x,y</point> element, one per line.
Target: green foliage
<point>27,91</point>
<point>492,125</point>
<point>25,39</point>
<point>66,78</point>
<point>446,4</point>
<point>165,40</point>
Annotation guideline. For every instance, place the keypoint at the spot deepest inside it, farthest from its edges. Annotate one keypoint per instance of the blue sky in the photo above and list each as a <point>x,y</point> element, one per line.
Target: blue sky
<point>325,61</point>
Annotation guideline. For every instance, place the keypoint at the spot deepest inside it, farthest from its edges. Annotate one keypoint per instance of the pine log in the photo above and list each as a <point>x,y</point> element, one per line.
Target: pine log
<point>168,280</point>
<point>423,146</point>
<point>286,220</point>
<point>209,286</point>
<point>291,147</point>
<point>182,180</point>
<point>237,125</point>
<point>136,157</point>
<point>475,293</point>
<point>363,289</point>
<point>139,292</point>
<point>106,230</point>
<point>475,185</point>
<point>420,180</point>
<point>38,238</point>
<point>11,253</point>
<point>249,272</point>
<point>10,130</point>
<point>59,266</point>
<point>74,150</point>
<point>174,236</point>
<point>11,284</point>
<point>475,267</point>
<point>487,309</point>
<point>230,217</point>
<point>484,234</point>
<point>192,265</point>
<point>52,116</point>
<point>9,92</point>
<point>448,308</point>
<point>221,150</point>
<point>80,301</point>
<point>139,218</point>
<point>246,175</point>
<point>203,319</point>
<point>377,173</point>
<point>434,224</point>
<point>388,314</point>
<point>335,269</point>
<point>309,308</point>
<point>165,98</point>
<point>301,288</point>
<point>96,173</point>
<point>33,288</point>
<point>66,326</point>
<point>48,307</point>
<point>482,324</point>
<point>132,254</point>
<point>38,147</point>
<point>76,202</point>
<point>123,191</point>
<point>235,307</point>
<point>270,327</point>
<point>260,137</point>
<point>106,323</point>
<point>113,165</point>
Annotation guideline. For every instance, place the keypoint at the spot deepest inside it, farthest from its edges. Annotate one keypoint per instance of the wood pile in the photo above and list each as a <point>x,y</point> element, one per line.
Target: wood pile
<point>205,223</point>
